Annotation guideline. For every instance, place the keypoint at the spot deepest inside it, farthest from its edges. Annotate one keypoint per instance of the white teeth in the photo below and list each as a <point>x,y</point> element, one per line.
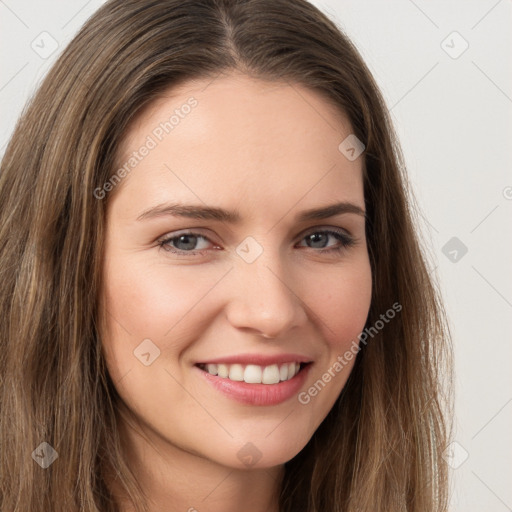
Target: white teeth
<point>236,372</point>
<point>254,374</point>
<point>223,370</point>
<point>270,374</point>
<point>212,368</point>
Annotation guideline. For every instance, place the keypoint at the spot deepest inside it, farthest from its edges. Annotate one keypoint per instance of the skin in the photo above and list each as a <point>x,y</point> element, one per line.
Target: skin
<point>269,150</point>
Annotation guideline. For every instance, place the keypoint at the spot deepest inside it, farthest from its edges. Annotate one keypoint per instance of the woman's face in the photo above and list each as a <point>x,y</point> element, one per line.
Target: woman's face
<point>251,292</point>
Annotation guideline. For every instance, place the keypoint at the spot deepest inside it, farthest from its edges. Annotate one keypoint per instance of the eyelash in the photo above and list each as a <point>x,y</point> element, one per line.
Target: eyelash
<point>346,242</point>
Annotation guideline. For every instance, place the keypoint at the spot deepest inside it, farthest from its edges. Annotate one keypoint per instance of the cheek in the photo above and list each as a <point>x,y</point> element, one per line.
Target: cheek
<point>342,302</point>
<point>149,299</point>
<point>144,299</point>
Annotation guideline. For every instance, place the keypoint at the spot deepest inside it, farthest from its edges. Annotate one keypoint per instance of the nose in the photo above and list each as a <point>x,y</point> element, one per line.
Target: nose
<point>263,300</point>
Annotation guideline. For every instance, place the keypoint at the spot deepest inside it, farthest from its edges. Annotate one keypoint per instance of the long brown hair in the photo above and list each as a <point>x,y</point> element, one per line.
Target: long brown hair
<point>380,447</point>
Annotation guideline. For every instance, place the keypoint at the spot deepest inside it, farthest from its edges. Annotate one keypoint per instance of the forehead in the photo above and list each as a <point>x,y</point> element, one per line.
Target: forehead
<point>239,141</point>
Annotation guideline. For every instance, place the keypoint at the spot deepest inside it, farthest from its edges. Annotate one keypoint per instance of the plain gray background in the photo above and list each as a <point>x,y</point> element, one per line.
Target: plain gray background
<point>445,70</point>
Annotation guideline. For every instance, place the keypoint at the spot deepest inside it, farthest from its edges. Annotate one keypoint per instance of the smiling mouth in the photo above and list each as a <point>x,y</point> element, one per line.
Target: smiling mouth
<point>254,374</point>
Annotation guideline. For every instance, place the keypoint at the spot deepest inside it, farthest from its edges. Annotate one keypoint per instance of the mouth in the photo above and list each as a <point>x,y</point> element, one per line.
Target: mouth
<point>254,374</point>
<point>256,385</point>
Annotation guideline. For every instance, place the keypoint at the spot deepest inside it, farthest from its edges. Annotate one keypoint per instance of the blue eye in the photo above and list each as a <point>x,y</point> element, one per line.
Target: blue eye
<point>188,240</point>
<point>345,240</point>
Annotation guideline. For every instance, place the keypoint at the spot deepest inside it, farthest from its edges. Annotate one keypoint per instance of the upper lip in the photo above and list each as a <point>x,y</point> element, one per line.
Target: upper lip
<point>258,359</point>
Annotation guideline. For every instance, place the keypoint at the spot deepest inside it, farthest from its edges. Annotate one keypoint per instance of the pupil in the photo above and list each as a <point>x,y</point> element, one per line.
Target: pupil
<point>315,236</point>
<point>190,245</point>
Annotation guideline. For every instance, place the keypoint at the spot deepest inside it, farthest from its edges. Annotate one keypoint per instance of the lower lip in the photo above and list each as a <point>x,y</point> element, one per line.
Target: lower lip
<point>257,394</point>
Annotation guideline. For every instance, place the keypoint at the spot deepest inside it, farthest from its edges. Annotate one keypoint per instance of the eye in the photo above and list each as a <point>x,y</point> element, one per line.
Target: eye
<point>185,244</point>
<point>187,241</point>
<point>345,240</point>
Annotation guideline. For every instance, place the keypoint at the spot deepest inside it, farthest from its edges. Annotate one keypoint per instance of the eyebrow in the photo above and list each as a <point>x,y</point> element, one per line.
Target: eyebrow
<point>234,217</point>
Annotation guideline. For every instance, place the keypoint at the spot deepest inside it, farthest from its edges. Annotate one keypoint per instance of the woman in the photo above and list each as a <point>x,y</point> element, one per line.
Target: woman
<point>258,370</point>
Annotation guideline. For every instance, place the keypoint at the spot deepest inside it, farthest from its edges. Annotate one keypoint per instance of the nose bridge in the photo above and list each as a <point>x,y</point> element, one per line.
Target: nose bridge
<point>264,299</point>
